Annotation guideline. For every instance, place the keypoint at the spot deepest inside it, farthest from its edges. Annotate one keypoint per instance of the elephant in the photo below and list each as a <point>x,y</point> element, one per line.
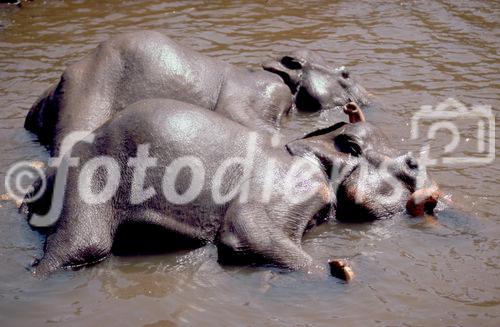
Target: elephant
<point>147,64</point>
<point>209,179</point>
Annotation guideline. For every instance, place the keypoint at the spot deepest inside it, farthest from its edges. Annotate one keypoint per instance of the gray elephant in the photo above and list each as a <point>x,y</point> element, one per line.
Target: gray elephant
<point>147,64</point>
<point>207,178</point>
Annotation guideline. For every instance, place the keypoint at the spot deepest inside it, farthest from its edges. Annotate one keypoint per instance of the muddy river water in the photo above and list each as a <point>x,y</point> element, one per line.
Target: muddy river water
<point>410,272</point>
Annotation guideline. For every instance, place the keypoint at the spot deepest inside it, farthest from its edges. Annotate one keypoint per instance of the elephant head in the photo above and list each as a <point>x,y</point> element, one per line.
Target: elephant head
<point>370,179</point>
<point>314,84</point>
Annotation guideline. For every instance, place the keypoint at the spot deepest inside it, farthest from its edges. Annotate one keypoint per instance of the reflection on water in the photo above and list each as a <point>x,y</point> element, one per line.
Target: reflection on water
<point>408,54</point>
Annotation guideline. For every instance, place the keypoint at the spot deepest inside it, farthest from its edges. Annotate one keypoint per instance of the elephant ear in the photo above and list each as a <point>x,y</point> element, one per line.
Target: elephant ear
<point>308,146</point>
<point>288,67</point>
<point>291,63</point>
<point>326,130</point>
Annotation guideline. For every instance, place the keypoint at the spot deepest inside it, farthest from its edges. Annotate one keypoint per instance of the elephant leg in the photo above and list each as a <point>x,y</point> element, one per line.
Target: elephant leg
<point>83,236</point>
<point>249,232</point>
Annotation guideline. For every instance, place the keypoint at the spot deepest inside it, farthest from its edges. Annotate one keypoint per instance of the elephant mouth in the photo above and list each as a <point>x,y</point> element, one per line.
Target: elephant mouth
<point>355,204</point>
<point>350,210</point>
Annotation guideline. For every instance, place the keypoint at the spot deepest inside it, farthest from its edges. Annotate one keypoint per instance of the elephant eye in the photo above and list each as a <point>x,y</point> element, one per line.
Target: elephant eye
<point>346,144</point>
<point>291,63</point>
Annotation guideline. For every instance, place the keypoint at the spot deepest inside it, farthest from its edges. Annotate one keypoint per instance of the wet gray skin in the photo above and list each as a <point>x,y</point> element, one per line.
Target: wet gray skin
<point>259,229</point>
<point>316,85</point>
<point>371,180</point>
<point>147,64</point>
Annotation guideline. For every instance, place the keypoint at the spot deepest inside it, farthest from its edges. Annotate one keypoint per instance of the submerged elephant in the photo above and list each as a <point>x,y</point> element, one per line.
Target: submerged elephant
<point>146,64</point>
<point>205,177</point>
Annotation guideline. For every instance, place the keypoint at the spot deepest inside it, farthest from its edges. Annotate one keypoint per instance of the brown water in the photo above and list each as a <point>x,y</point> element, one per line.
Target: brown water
<point>409,272</point>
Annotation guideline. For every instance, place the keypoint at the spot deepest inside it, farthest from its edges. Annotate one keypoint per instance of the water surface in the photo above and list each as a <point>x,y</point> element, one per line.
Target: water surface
<point>409,272</point>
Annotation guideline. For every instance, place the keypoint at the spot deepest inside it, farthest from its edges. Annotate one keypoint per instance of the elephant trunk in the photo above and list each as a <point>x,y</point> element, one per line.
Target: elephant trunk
<point>423,201</point>
<point>354,112</point>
